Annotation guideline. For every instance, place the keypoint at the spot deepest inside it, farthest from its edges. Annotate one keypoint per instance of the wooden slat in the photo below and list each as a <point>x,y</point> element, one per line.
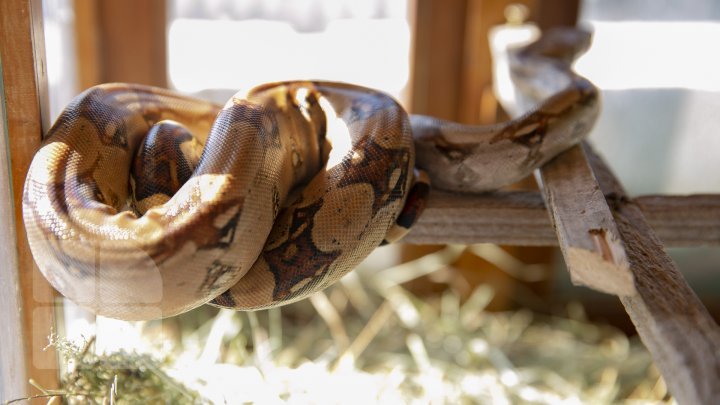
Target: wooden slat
<point>509,217</point>
<point>672,322</point>
<point>22,47</point>
<point>13,373</point>
<point>520,218</point>
<point>683,220</point>
<point>586,231</point>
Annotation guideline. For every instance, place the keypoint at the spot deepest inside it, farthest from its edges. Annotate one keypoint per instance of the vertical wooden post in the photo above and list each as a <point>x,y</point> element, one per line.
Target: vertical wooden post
<point>481,16</point>
<point>13,373</point>
<point>121,41</point>
<point>439,28</point>
<point>27,311</point>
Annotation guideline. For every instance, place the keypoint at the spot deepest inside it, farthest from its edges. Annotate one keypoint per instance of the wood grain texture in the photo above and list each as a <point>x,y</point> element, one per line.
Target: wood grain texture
<point>670,319</point>
<point>589,240</point>
<point>23,78</point>
<point>692,220</point>
<point>520,218</point>
<point>504,217</point>
<point>13,373</point>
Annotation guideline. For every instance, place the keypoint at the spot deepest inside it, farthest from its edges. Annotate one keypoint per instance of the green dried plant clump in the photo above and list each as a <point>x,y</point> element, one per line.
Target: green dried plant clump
<point>116,378</point>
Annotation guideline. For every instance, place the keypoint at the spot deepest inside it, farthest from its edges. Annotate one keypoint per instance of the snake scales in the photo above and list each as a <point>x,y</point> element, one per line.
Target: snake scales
<point>144,203</point>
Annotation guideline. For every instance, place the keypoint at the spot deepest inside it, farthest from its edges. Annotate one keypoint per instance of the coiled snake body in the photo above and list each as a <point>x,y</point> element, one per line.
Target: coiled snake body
<point>237,205</point>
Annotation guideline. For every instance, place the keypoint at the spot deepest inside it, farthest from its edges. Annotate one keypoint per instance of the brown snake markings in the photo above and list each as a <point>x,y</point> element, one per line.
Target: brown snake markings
<point>161,162</point>
<point>236,206</point>
<point>285,260</point>
<point>299,248</point>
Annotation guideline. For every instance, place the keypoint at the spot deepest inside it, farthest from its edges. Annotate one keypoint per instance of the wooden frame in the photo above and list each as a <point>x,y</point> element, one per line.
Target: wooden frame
<point>516,217</point>
<point>621,253</point>
<point>27,315</point>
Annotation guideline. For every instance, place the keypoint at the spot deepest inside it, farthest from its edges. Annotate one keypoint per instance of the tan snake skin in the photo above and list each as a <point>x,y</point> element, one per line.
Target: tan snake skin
<point>144,203</point>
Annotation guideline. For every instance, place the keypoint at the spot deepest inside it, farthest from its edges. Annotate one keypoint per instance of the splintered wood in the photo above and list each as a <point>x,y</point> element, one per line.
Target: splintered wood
<point>588,237</point>
<point>670,319</point>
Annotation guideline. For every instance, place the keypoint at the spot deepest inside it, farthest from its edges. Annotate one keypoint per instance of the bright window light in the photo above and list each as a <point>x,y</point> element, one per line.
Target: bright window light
<point>240,54</point>
<point>668,54</point>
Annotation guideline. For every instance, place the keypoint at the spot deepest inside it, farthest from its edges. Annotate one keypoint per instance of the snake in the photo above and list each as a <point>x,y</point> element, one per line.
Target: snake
<point>144,203</point>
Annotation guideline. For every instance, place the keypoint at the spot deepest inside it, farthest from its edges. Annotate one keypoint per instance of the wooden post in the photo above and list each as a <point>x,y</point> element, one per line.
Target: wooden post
<point>26,314</point>
<point>437,57</point>
<point>121,41</point>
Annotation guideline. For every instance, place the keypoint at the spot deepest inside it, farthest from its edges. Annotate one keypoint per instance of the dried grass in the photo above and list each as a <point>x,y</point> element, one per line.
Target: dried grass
<point>369,340</point>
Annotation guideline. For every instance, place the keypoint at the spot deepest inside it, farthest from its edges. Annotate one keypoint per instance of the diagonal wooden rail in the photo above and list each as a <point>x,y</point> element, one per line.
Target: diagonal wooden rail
<point>584,225</point>
<point>619,253</point>
<point>609,246</point>
<point>670,319</point>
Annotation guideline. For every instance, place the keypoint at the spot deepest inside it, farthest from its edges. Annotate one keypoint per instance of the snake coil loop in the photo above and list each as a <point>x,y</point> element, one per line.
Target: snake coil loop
<point>144,203</point>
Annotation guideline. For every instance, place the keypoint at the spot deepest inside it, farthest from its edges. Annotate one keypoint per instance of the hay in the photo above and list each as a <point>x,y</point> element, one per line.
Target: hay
<point>369,340</point>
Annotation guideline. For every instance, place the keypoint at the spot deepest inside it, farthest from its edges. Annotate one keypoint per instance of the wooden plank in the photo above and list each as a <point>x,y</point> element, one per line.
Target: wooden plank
<point>510,217</point>
<point>437,57</point>
<point>133,35</point>
<point>519,218</point>
<point>481,16</point>
<point>87,43</point>
<point>21,47</point>
<point>670,319</point>
<point>109,49</point>
<point>13,373</point>
<point>683,220</point>
<point>589,240</point>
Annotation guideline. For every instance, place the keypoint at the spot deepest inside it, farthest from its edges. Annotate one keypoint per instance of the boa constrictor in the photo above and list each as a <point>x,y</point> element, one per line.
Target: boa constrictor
<point>236,206</point>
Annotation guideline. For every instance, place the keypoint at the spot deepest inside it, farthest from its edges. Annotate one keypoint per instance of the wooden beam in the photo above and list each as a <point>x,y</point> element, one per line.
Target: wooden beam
<point>13,373</point>
<point>87,43</point>
<point>121,41</point>
<point>438,37</point>
<point>520,218</point>
<point>589,240</point>
<point>23,80</point>
<point>683,220</point>
<point>670,319</point>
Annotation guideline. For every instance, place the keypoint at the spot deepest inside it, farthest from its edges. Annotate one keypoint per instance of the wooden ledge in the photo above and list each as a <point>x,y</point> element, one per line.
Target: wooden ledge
<point>520,218</point>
